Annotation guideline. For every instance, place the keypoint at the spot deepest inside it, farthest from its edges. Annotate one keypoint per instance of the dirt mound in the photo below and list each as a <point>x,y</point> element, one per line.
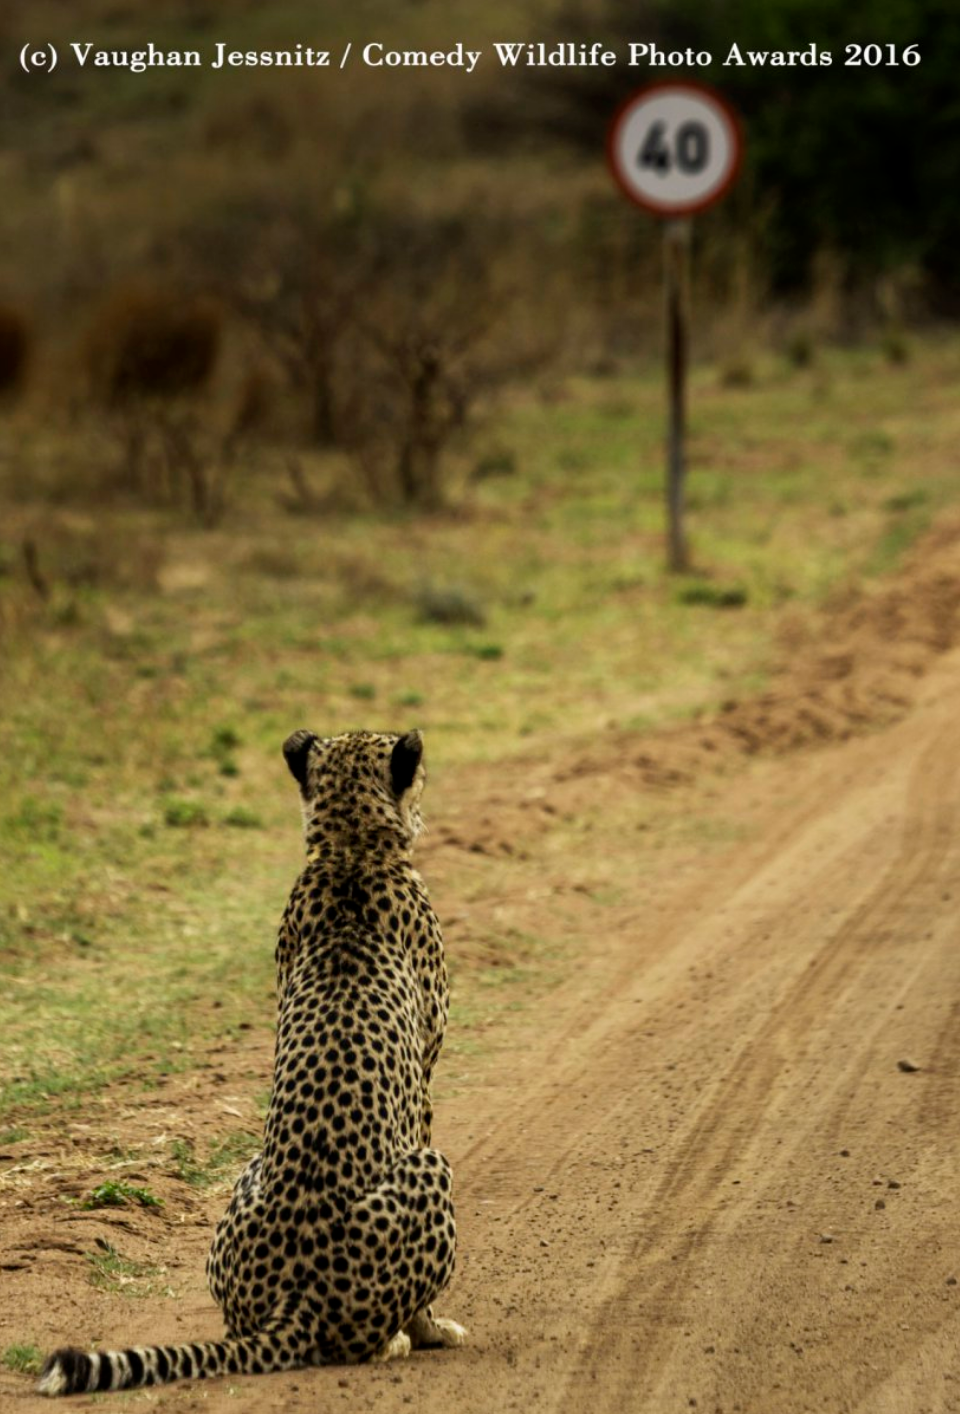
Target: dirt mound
<point>864,659</point>
<point>856,665</point>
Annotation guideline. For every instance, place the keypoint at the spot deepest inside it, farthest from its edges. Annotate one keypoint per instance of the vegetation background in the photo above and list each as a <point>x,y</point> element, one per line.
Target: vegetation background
<point>335,399</point>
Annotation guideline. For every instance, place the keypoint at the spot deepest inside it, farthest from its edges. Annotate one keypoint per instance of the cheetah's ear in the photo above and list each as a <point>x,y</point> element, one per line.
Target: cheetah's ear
<point>404,760</point>
<point>296,749</point>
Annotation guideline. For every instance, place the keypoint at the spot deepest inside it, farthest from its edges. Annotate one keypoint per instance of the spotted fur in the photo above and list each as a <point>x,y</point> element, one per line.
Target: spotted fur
<point>340,1233</point>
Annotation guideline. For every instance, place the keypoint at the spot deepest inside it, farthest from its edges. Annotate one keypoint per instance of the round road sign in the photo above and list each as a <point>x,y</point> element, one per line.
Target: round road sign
<point>674,148</point>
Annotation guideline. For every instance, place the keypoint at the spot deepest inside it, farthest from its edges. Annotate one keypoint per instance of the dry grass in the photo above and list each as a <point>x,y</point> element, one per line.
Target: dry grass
<point>145,695</point>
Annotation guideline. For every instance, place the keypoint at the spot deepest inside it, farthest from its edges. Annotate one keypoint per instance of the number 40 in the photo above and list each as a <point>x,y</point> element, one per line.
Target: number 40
<point>690,153</point>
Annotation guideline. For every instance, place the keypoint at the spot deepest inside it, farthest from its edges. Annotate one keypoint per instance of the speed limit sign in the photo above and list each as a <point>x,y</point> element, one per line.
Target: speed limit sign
<point>674,148</point>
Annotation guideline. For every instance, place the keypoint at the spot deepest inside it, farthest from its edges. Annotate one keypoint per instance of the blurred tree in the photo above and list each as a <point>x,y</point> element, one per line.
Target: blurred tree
<point>294,268</point>
<point>14,348</point>
<point>393,322</point>
<point>150,353</point>
<point>432,339</point>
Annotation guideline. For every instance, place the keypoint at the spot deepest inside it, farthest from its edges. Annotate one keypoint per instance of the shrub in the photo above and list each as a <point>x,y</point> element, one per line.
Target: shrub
<point>147,342</point>
<point>14,349</point>
<point>449,605</point>
<point>713,596</point>
<point>149,354</point>
<point>116,1193</point>
<point>389,326</point>
<point>799,349</point>
<point>185,815</point>
<point>500,462</point>
<point>241,817</point>
<point>429,344</point>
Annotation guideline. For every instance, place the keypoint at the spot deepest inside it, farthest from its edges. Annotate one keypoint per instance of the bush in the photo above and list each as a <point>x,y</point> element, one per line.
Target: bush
<point>241,817</point>
<point>390,326</point>
<point>185,815</point>
<point>713,596</point>
<point>149,354</point>
<point>432,341</point>
<point>117,1193</point>
<point>450,605</point>
<point>14,349</point>
<point>146,342</point>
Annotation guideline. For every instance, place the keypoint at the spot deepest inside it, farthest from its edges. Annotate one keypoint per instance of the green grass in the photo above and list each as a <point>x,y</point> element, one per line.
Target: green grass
<point>112,1272</point>
<point>149,830</point>
<point>24,1359</point>
<point>223,1162</point>
<point>493,992</point>
<point>115,1193</point>
<point>241,817</point>
<point>910,517</point>
<point>713,596</point>
<point>134,1013</point>
<point>185,814</point>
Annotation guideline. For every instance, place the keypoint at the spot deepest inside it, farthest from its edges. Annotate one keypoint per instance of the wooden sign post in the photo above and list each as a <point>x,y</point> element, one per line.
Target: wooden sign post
<point>675,149</point>
<point>676,268</point>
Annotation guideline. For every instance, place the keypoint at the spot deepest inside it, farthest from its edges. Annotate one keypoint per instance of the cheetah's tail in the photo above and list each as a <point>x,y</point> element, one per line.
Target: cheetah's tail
<point>70,1371</point>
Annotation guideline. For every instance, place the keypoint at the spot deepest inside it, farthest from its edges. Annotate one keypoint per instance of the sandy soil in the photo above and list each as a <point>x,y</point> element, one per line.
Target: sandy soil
<point>715,1169</point>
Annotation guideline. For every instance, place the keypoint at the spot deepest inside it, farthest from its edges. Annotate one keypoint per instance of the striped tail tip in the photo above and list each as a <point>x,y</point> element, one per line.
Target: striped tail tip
<point>66,1371</point>
<point>72,1371</point>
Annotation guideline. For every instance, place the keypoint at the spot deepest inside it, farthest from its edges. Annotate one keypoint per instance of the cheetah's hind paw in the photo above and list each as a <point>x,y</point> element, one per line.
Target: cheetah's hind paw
<point>426,1330</point>
<point>398,1348</point>
<point>451,1332</point>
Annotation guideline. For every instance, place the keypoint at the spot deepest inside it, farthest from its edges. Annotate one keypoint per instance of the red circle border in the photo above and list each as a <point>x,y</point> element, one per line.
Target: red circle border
<point>692,208</point>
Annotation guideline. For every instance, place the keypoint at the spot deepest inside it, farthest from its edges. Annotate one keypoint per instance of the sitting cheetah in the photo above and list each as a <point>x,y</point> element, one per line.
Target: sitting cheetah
<point>340,1233</point>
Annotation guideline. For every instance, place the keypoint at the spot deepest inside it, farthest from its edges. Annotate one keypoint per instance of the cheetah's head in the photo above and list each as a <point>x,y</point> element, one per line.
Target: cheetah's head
<point>358,785</point>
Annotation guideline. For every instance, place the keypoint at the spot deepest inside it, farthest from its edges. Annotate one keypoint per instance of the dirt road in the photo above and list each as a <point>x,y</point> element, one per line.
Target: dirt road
<point>717,1168</point>
<point>748,1203</point>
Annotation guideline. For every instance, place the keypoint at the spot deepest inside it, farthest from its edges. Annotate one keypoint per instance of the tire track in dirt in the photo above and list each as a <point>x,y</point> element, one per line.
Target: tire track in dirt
<point>595,1086</point>
<point>573,1060</point>
<point>720,1137</point>
<point>568,1058</point>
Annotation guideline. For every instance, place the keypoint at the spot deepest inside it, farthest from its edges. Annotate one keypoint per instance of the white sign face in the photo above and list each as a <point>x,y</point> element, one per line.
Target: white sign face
<point>674,148</point>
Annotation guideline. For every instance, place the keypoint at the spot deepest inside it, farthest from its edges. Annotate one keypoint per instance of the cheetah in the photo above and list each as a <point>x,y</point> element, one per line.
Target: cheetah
<point>340,1233</point>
